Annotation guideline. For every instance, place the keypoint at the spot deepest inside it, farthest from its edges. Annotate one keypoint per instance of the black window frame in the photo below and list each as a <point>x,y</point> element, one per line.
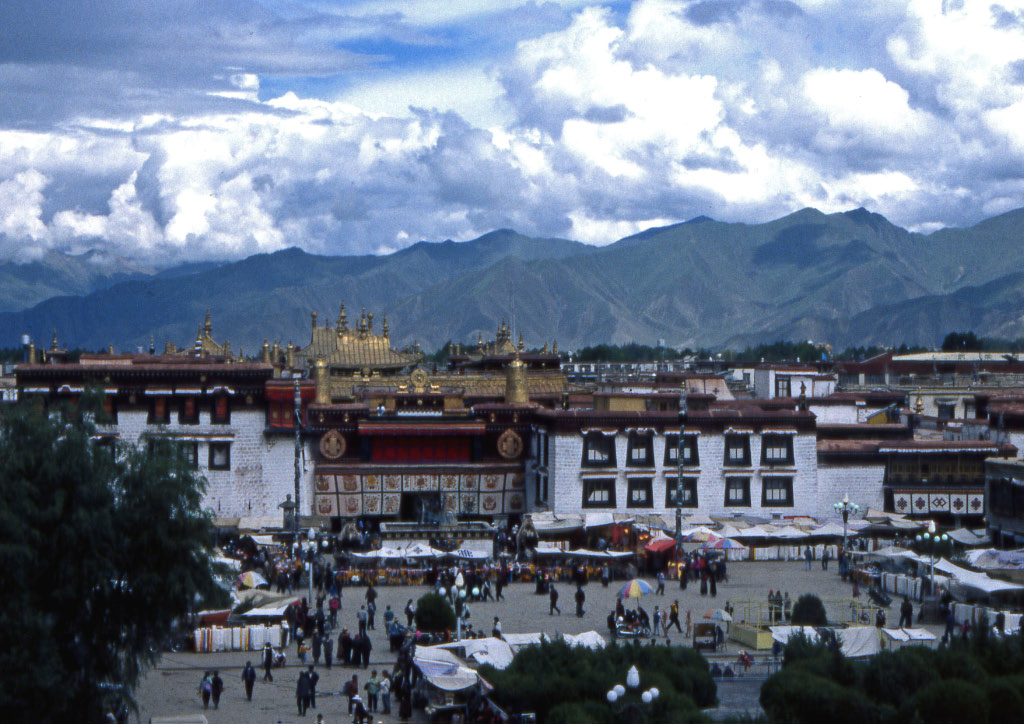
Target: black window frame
<point>783,380</point>
<point>596,440</point>
<point>215,418</point>
<point>153,418</point>
<point>644,484</point>
<point>745,501</point>
<point>640,441</point>
<point>591,485</point>
<point>788,487</point>
<point>219,445</point>
<point>183,418</point>
<point>767,441</point>
<point>744,462</point>
<point>188,451</point>
<point>689,487</point>
<point>672,451</point>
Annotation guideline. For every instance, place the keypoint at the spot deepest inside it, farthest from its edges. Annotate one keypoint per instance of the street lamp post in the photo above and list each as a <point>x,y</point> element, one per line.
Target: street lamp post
<point>930,538</point>
<point>298,456</point>
<point>844,508</point>
<point>680,462</point>
<point>631,711</point>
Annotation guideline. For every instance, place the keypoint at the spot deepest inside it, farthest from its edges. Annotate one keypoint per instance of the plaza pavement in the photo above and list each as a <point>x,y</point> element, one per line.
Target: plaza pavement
<point>171,688</point>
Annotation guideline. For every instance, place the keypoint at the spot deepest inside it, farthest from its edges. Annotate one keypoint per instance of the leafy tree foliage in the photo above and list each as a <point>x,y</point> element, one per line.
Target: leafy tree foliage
<point>961,342</point>
<point>434,613</point>
<point>981,680</point>
<point>564,684</point>
<point>631,352</point>
<point>103,547</point>
<point>809,611</point>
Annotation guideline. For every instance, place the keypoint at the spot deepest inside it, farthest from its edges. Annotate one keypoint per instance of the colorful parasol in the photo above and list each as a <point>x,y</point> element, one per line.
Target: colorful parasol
<point>635,589</point>
<point>251,579</point>
<point>723,544</point>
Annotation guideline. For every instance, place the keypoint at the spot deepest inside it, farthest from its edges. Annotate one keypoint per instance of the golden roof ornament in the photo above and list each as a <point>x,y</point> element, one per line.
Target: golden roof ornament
<point>554,347</point>
<point>208,325</point>
<point>342,319</point>
<point>369,323</point>
<point>545,349</point>
<point>227,351</point>
<point>385,326</point>
<point>53,345</point>
<point>265,352</point>
<point>313,318</point>
<point>520,346</point>
<point>919,405</point>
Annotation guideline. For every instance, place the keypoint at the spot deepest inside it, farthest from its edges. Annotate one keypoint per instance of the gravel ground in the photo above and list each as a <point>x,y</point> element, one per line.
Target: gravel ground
<point>171,688</point>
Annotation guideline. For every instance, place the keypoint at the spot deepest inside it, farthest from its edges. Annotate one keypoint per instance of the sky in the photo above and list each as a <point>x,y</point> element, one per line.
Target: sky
<point>170,132</point>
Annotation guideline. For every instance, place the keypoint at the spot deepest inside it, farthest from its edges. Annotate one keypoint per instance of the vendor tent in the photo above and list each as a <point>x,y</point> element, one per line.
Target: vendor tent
<point>443,669</point>
<point>977,581</point>
<point>493,651</point>
<point>589,639</point>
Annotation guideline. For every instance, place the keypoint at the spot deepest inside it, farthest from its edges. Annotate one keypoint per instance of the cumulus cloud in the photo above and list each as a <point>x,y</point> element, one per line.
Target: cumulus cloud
<point>179,132</point>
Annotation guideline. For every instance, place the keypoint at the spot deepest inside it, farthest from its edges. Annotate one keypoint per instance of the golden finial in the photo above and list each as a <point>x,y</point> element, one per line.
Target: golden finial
<point>384,326</point>
<point>369,322</point>
<point>520,346</point>
<point>110,349</point>
<point>919,405</point>
<point>207,325</point>
<point>554,347</point>
<point>265,352</point>
<point>545,349</point>
<point>313,317</point>
<point>227,351</point>
<point>479,340</point>
<point>53,345</point>
<point>342,319</point>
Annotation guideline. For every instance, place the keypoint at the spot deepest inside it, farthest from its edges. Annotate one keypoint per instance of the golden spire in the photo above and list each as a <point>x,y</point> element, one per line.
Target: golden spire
<point>323,392</point>
<point>227,351</point>
<point>53,345</point>
<point>520,347</point>
<point>207,325</point>
<point>265,352</point>
<point>369,322</point>
<point>554,347</point>
<point>479,340</point>
<point>342,319</point>
<point>385,329</point>
<point>543,351</point>
<point>515,382</point>
<point>313,318</point>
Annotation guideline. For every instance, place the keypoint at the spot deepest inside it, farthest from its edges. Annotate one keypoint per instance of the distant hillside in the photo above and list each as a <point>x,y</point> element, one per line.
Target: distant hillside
<point>849,278</point>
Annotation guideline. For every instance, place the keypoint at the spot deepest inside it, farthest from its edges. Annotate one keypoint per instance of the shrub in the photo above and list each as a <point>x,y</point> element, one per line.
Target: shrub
<point>891,674</point>
<point>809,611</point>
<point>797,696</point>
<point>434,613</point>
<point>950,701</point>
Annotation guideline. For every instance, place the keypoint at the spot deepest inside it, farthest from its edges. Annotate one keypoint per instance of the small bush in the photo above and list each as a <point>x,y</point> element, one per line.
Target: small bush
<point>434,613</point>
<point>809,611</point>
<point>951,701</point>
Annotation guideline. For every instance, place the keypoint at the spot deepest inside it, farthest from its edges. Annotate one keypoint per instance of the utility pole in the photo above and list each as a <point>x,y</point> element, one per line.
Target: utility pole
<point>298,454</point>
<point>680,461</point>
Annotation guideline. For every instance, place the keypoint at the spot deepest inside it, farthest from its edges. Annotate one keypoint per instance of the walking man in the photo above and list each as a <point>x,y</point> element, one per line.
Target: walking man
<point>906,613</point>
<point>313,679</point>
<point>553,598</point>
<point>302,693</point>
<point>410,611</point>
<point>580,598</point>
<point>268,662</point>
<point>351,690</point>
<point>661,583</point>
<point>362,617</point>
<point>248,679</point>
<point>807,558</point>
<point>673,618</point>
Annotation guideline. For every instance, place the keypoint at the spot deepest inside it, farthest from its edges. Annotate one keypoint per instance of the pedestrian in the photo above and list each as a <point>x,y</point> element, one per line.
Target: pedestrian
<point>605,576</point>
<point>906,613</point>
<point>410,611</point>
<point>372,687</point>
<point>365,646</point>
<point>580,598</point>
<point>684,574</point>
<point>351,690</point>
<point>216,688</point>
<point>328,652</point>
<point>825,556</point>
<point>345,647</point>
<point>206,688</point>
<point>807,558</point>
<point>499,584</point>
<point>303,651</point>
<point>359,713</point>
<point>673,618</point>
<point>268,662</point>
<point>661,583</point>
<point>385,693</point>
<point>787,607</point>
<point>314,679</point>
<point>334,605</point>
<point>318,643</point>
<point>389,618</point>
<point>362,617</point>
<point>688,624</point>
<point>496,629</point>
<point>248,679</point>
<point>713,585</point>
<point>880,618</point>
<point>703,581</point>
<point>553,598</point>
<point>302,693</point>
<point>371,615</point>
<point>656,621</point>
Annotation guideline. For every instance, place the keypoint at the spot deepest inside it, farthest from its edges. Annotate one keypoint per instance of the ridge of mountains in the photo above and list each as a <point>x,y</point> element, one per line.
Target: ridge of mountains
<point>850,278</point>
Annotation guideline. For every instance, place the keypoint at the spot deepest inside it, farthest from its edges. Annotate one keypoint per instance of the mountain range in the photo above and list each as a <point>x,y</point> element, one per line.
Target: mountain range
<point>849,278</point>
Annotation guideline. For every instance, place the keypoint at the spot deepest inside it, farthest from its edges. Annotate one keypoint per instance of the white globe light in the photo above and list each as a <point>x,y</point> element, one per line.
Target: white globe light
<point>646,697</point>
<point>441,591</point>
<point>655,693</point>
<point>619,690</point>
<point>632,677</point>
<point>476,592</point>
<point>612,696</point>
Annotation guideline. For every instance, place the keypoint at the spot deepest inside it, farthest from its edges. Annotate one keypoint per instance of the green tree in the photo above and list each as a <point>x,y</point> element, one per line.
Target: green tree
<point>809,611</point>
<point>103,547</point>
<point>961,342</point>
<point>434,613</point>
